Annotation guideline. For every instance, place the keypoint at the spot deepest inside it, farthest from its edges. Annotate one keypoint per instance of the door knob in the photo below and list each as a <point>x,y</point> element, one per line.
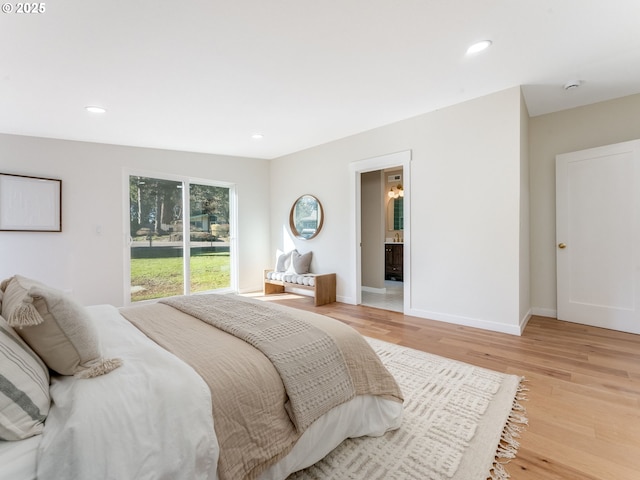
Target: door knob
<point>562,245</point>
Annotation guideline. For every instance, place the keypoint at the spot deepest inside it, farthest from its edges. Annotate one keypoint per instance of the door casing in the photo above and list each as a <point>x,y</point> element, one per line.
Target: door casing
<point>399,159</point>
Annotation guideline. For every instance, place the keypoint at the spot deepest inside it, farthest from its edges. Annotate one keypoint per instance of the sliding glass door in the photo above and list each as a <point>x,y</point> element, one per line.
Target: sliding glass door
<point>209,264</point>
<point>171,255</point>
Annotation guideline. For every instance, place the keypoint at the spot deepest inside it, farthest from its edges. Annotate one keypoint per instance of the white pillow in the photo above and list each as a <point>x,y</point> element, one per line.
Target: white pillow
<point>24,387</point>
<point>283,260</point>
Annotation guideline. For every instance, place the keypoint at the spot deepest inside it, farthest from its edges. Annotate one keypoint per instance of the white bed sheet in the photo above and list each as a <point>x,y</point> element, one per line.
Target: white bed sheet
<point>94,423</point>
<point>18,459</point>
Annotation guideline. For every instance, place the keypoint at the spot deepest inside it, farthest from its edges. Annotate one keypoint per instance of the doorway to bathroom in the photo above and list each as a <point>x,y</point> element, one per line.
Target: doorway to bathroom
<point>382,275</point>
<point>382,221</point>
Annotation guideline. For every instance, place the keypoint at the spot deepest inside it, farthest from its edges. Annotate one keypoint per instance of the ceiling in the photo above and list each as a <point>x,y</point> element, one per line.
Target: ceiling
<point>205,75</point>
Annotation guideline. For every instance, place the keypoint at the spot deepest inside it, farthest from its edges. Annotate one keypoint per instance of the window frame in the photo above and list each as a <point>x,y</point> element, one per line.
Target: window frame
<point>186,181</point>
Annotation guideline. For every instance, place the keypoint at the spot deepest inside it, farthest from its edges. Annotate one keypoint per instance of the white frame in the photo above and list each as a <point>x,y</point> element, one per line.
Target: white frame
<point>356,169</point>
<point>30,204</point>
<point>186,181</point>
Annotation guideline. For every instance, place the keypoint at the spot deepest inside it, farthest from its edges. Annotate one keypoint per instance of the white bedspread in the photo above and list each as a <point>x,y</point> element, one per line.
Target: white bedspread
<point>107,427</point>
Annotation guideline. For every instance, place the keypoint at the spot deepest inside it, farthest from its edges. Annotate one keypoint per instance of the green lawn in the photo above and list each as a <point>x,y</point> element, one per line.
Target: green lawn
<point>162,277</point>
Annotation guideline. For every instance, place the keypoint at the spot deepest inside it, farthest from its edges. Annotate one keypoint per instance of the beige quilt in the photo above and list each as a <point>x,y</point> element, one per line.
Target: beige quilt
<point>253,426</point>
<point>308,360</point>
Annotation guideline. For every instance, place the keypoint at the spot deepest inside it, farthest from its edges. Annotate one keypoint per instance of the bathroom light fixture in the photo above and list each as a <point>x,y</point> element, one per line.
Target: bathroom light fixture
<point>396,191</point>
<point>478,47</point>
<point>95,109</point>
<point>257,136</point>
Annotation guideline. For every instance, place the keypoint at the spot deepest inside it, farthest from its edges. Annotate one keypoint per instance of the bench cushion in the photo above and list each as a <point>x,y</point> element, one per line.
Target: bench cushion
<point>306,279</point>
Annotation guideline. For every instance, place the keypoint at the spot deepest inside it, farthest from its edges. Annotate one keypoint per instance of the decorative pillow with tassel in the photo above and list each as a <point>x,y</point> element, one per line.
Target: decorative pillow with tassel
<point>56,327</point>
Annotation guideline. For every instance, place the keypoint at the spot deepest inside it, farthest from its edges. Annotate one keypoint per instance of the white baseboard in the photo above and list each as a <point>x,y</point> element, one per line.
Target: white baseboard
<point>443,317</point>
<point>250,290</point>
<point>347,300</point>
<point>374,289</point>
<point>544,312</point>
<point>298,291</point>
<point>524,320</point>
<point>467,321</point>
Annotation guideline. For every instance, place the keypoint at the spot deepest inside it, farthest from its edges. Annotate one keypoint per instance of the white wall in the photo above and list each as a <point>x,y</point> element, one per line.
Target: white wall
<point>595,125</point>
<point>91,265</point>
<point>466,208</point>
<point>470,234</point>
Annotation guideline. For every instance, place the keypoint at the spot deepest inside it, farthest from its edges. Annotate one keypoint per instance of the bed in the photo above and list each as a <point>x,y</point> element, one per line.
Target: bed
<point>154,410</point>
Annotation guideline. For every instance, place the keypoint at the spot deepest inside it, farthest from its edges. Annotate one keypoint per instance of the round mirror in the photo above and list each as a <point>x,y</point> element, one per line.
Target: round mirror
<point>306,217</point>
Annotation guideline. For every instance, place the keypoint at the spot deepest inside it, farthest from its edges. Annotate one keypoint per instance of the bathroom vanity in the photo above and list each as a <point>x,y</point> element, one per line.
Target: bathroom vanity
<point>393,261</point>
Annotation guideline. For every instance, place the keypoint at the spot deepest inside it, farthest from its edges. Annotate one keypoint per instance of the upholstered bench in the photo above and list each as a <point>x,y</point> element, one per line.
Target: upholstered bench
<point>323,285</point>
<point>292,270</point>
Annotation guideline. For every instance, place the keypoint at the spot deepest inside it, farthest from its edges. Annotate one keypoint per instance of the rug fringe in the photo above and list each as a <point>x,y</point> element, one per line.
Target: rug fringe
<point>509,444</point>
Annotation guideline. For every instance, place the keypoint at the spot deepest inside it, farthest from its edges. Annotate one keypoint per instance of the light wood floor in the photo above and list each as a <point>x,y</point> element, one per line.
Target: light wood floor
<point>584,385</point>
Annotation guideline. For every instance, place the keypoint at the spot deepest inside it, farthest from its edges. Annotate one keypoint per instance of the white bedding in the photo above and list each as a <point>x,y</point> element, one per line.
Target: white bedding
<point>94,423</point>
<point>18,459</point>
<point>115,427</point>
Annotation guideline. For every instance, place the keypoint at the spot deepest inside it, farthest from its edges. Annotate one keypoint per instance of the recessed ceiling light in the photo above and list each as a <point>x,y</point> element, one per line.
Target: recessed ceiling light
<point>257,136</point>
<point>95,109</point>
<point>572,85</point>
<point>478,47</point>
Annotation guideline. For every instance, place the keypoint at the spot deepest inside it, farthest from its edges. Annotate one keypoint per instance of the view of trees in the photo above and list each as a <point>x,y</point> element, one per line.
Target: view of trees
<point>157,215</point>
<point>156,207</point>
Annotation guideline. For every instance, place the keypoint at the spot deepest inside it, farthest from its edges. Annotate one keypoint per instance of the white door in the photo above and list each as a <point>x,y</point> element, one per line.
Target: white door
<point>598,236</point>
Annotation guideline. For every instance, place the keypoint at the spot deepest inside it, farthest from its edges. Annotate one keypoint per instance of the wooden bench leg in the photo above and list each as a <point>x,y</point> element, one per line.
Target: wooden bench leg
<point>325,291</point>
<point>270,288</point>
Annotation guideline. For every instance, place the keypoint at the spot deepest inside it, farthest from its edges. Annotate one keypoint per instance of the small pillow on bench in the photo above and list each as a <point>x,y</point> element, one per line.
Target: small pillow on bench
<point>300,263</point>
<point>283,260</point>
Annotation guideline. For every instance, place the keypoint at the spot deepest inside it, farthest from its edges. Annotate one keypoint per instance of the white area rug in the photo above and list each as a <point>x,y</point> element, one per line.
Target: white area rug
<point>461,422</point>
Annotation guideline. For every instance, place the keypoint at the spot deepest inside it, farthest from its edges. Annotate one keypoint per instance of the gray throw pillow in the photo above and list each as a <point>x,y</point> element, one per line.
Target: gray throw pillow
<point>300,263</point>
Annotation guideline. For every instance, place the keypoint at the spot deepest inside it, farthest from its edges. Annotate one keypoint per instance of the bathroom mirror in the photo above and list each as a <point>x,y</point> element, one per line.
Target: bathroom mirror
<point>306,217</point>
<point>398,213</point>
<point>395,214</point>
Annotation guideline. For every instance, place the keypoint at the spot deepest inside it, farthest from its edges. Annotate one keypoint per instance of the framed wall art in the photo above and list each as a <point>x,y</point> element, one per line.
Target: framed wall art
<point>30,204</point>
